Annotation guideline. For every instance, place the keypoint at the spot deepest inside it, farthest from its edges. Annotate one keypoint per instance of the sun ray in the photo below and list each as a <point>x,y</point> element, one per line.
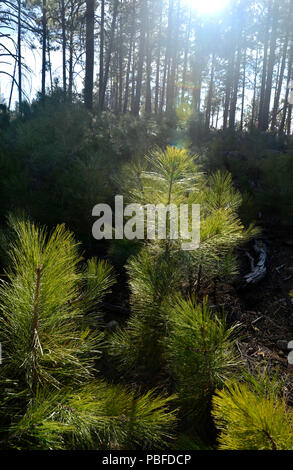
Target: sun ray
<point>207,6</point>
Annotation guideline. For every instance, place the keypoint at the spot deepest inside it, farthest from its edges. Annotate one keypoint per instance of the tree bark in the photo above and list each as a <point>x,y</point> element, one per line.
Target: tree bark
<point>158,64</point>
<point>44,46</point>
<point>286,100</point>
<point>19,59</point>
<point>64,44</point>
<point>89,68</point>
<point>141,58</point>
<point>109,54</point>
<point>131,45</point>
<point>148,97</point>
<point>271,64</point>
<point>102,40</point>
<point>243,91</point>
<point>264,69</point>
<point>210,93</point>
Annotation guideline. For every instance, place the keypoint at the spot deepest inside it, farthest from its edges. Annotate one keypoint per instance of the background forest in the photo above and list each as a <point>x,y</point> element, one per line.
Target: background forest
<point>139,345</point>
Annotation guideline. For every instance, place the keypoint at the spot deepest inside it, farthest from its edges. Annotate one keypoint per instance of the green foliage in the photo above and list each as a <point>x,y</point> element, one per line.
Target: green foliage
<point>200,353</point>
<point>96,416</point>
<point>173,177</point>
<point>253,416</point>
<point>58,160</point>
<point>139,348</point>
<point>44,295</point>
<point>275,194</point>
<point>50,397</point>
<point>163,269</point>
<point>261,166</point>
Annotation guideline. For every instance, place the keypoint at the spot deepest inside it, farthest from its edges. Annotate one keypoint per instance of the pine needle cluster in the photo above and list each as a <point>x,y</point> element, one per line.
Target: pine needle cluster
<point>163,269</point>
<point>50,395</point>
<point>200,353</point>
<point>253,415</point>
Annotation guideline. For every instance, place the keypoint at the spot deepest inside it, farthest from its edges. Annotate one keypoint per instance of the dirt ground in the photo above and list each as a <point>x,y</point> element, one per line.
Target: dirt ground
<point>265,310</point>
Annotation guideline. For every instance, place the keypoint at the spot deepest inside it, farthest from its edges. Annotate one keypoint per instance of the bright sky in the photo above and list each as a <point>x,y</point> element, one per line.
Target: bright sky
<point>32,78</point>
<point>207,6</point>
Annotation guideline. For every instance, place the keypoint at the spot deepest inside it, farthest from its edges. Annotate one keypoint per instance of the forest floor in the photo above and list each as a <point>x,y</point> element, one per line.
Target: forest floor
<point>265,310</point>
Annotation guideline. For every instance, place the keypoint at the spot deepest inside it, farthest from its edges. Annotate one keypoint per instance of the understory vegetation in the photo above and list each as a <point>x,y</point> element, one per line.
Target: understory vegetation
<point>169,373</point>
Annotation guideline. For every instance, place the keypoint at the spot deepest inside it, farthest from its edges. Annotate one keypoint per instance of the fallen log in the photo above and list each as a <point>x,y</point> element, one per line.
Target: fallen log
<point>258,267</point>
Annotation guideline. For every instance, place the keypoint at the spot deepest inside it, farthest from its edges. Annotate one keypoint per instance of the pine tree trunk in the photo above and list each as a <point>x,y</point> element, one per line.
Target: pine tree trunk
<point>19,59</point>
<point>289,121</point>
<point>141,57</point>
<point>264,68</point>
<point>102,40</point>
<point>271,64</point>
<point>49,61</point>
<point>89,67</point>
<point>253,112</point>
<point>229,81</point>
<point>186,51</point>
<point>44,46</point>
<point>210,94</point>
<point>243,91</point>
<point>234,98</point>
<point>131,45</point>
<point>167,56</point>
<point>281,79</point>
<point>173,57</point>
<point>120,68</point>
<point>197,79</point>
<point>109,54</point>
<point>286,100</point>
<point>63,26</point>
<point>148,98</point>
<point>70,71</point>
<point>158,65</point>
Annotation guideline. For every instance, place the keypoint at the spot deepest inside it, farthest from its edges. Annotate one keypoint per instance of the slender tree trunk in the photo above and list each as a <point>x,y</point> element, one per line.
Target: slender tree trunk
<point>271,64</point>
<point>264,68</point>
<point>131,45</point>
<point>229,81</point>
<point>64,45</point>
<point>197,74</point>
<point>19,57</point>
<point>243,91</point>
<point>186,51</point>
<point>286,100</point>
<point>49,61</point>
<point>289,121</point>
<point>167,55</point>
<point>133,76</point>
<point>44,46</point>
<point>234,99</point>
<point>120,68</point>
<point>70,71</point>
<point>148,98</point>
<point>174,65</point>
<point>109,54</point>
<point>102,40</point>
<point>141,57</point>
<point>12,84</point>
<point>253,112</point>
<point>172,62</point>
<point>90,46</point>
<point>280,83</point>
<point>158,65</point>
<point>210,93</point>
